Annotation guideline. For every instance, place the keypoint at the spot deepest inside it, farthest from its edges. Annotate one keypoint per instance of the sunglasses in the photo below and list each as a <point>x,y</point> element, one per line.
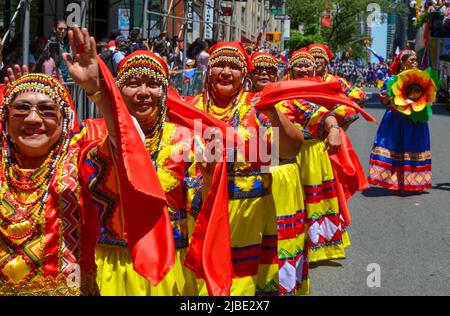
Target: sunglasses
<point>269,71</point>
<point>46,111</point>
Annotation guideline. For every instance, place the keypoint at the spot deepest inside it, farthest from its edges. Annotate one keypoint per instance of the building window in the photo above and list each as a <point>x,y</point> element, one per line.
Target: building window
<point>243,17</point>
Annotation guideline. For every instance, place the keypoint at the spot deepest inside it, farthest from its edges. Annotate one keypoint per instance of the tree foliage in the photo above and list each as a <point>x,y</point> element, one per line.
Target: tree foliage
<point>347,18</point>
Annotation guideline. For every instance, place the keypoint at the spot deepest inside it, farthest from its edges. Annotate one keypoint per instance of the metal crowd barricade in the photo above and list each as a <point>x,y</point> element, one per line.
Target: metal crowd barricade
<point>85,108</point>
<point>187,85</point>
<point>184,85</point>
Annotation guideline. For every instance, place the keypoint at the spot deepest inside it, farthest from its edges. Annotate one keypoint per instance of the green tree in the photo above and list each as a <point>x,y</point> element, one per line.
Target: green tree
<point>346,17</point>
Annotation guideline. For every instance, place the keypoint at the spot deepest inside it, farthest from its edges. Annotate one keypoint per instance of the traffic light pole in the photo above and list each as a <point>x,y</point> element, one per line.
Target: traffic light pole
<point>263,39</point>
<point>282,27</point>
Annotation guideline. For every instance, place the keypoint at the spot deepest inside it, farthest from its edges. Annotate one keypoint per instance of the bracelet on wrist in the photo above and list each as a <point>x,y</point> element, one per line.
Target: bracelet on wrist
<point>334,126</point>
<point>95,97</point>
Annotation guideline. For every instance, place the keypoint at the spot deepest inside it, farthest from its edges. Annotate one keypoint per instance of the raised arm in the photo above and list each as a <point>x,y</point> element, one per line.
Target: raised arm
<point>84,70</point>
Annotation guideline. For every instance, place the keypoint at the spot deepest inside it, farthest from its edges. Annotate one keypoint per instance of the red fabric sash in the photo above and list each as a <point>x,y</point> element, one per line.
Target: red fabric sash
<point>149,230</point>
<point>209,252</point>
<point>310,89</point>
<point>211,236</point>
<point>348,173</point>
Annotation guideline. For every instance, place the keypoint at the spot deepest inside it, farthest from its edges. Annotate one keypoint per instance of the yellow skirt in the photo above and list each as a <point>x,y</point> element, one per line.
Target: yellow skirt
<point>268,238</point>
<point>116,275</point>
<point>326,238</point>
<point>252,224</point>
<point>291,229</point>
<point>275,224</point>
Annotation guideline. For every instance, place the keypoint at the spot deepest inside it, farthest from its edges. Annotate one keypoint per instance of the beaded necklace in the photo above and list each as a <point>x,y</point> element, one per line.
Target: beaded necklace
<point>154,136</point>
<point>227,113</point>
<point>21,217</point>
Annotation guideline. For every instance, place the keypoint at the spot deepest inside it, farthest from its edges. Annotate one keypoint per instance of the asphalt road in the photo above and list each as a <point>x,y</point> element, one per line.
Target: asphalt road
<point>407,238</point>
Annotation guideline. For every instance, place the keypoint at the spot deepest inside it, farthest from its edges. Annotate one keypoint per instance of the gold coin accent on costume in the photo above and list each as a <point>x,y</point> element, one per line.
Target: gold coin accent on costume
<point>16,269</point>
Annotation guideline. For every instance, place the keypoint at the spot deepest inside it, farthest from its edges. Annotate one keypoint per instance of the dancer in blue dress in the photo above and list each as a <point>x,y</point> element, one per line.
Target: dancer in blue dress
<point>400,159</point>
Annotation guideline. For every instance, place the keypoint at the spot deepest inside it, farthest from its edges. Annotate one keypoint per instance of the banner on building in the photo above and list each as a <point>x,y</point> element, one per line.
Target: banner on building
<point>189,16</point>
<point>226,8</point>
<point>286,30</point>
<point>326,19</point>
<point>124,21</point>
<point>209,19</point>
<point>196,24</point>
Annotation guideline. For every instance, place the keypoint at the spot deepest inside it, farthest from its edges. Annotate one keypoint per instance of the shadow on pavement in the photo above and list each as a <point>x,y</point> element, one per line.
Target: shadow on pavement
<point>376,192</point>
<point>380,192</point>
<point>442,186</point>
<point>325,263</point>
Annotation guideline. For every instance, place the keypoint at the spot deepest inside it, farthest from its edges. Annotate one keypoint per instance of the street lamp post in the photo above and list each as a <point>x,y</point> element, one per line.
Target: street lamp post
<point>26,32</point>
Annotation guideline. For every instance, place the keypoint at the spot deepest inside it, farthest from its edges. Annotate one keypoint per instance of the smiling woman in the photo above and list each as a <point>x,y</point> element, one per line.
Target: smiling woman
<point>48,212</point>
<point>265,72</point>
<point>265,238</point>
<point>35,125</point>
<point>142,86</point>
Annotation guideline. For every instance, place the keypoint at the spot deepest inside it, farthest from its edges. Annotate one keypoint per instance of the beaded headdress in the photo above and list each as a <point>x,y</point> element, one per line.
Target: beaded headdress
<point>406,52</point>
<point>230,52</point>
<point>321,50</point>
<point>301,56</point>
<point>227,52</point>
<point>45,84</point>
<point>42,83</point>
<point>142,62</point>
<point>264,60</point>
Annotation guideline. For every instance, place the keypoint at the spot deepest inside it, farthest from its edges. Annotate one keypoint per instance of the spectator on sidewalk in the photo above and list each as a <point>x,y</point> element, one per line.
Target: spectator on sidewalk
<point>161,45</point>
<point>59,35</point>
<point>202,57</point>
<point>119,53</point>
<point>49,60</point>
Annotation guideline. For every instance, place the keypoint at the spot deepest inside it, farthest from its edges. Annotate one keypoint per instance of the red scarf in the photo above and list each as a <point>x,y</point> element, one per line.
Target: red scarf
<point>151,238</point>
<point>154,249</point>
<point>310,89</point>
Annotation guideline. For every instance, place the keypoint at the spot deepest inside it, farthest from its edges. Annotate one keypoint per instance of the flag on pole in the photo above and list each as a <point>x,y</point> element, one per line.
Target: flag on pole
<point>378,56</point>
<point>326,19</point>
<point>189,74</point>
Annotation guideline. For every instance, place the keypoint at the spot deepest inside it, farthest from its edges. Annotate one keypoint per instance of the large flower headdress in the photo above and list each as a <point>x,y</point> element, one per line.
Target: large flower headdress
<point>413,92</point>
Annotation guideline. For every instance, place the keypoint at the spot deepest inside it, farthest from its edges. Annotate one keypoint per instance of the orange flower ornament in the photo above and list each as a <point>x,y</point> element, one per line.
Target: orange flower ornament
<point>413,91</point>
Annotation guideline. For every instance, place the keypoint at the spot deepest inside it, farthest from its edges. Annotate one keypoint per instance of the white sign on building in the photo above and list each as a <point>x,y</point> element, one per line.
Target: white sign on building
<point>209,19</point>
<point>286,30</point>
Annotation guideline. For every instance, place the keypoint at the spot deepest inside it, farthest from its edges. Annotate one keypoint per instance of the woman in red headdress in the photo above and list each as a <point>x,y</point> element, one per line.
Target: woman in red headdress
<point>327,235</point>
<point>48,212</point>
<point>344,114</point>
<point>193,190</point>
<point>400,158</point>
<point>265,70</point>
<point>287,174</point>
<point>265,244</point>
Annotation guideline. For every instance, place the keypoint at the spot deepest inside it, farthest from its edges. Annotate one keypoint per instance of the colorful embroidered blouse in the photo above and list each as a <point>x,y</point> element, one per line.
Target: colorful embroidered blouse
<point>180,180</point>
<point>307,116</point>
<point>57,258</point>
<point>345,114</point>
<point>245,179</point>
